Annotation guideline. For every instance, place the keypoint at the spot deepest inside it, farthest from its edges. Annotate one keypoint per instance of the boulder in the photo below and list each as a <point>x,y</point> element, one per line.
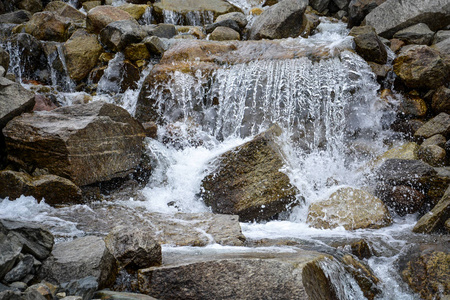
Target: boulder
<point>16,17</point>
<point>419,34</point>
<point>100,16</point>
<point>402,198</point>
<point>433,155</point>
<point>238,17</point>
<point>222,33</point>
<point>117,35</point>
<point>247,180</point>
<point>435,219</point>
<point>428,274</point>
<point>135,10</point>
<point>154,45</point>
<point>368,45</point>
<point>319,5</point>
<point>440,36</point>
<point>422,67</point>
<point>413,173</point>
<point>85,143</point>
<point>14,100</point>
<point>443,47</point>
<point>440,124</point>
<point>65,10</point>
<point>54,189</point>
<point>77,259</point>
<point>350,208</point>
<point>395,15</point>
<point>48,26</point>
<point>282,20</point>
<point>358,9</point>
<point>81,53</point>
<point>133,247</point>
<point>441,100</point>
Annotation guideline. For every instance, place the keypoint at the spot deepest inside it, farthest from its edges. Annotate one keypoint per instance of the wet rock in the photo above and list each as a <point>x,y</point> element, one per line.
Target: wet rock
<point>134,248</point>
<point>412,106</point>
<point>279,21</point>
<point>117,35</point>
<point>135,10</point>
<point>10,250</point>
<point>14,100</point>
<point>120,76</point>
<point>167,31</point>
<point>319,5</point>
<point>48,26</point>
<point>80,258</point>
<point>85,143</point>
<point>154,45</point>
<point>440,36</point>
<point>99,17</point>
<point>135,52</point>
<point>23,268</point>
<point>443,47</point>
<point>441,100</point>
<point>419,34</point>
<point>368,45</point>
<point>350,208</point>
<point>43,103</point>
<point>421,67</point>
<point>224,34</point>
<point>254,277</point>
<point>226,23</point>
<point>440,124</point>
<point>396,45</point>
<point>428,274</point>
<point>363,275</point>
<point>361,249</point>
<point>247,181</point>
<point>151,129</point>
<point>10,295</point>
<point>437,139</point>
<point>414,173</point>
<point>238,17</point>
<point>65,10</point>
<point>403,199</point>
<point>310,23</point>
<point>4,60</point>
<point>381,71</point>
<point>111,295</point>
<point>358,9</point>
<point>54,189</point>
<point>395,15</point>
<point>435,219</point>
<point>32,6</point>
<point>433,155</point>
<point>16,17</point>
<point>83,288</point>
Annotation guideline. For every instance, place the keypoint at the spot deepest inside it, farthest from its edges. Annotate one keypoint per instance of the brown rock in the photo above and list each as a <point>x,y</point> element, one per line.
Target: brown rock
<point>100,16</point>
<point>48,27</point>
<point>135,10</point>
<point>368,44</point>
<point>412,105</point>
<point>437,125</point>
<point>396,45</point>
<point>136,52</point>
<point>435,219</point>
<point>441,100</point>
<point>222,33</point>
<point>403,199</point>
<point>151,129</point>
<point>433,155</point>
<point>43,103</point>
<point>65,10</point>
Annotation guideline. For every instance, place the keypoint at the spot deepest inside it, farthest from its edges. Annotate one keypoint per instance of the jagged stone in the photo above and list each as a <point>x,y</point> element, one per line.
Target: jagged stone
<point>22,269</point>
<point>358,9</point>
<point>419,34</point>
<point>350,208</point>
<point>440,124</point>
<point>99,17</point>
<point>247,181</point>
<point>395,15</point>
<point>282,20</point>
<point>435,219</point>
<point>65,10</point>
<point>48,26</point>
<point>119,34</point>
<point>85,143</point>
<point>368,45</point>
<point>10,250</point>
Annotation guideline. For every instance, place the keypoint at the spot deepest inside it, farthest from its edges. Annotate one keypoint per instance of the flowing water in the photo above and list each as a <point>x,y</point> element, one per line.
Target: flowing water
<point>328,110</point>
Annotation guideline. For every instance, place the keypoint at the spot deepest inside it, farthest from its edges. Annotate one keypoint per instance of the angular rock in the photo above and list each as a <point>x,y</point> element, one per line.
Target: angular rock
<point>10,295</point>
<point>435,219</point>
<point>47,26</point>
<point>238,17</point>
<point>43,103</point>
<point>368,45</point>
<point>4,59</point>
<point>319,5</point>
<point>23,268</point>
<point>80,258</point>
<point>16,17</point>
<point>120,76</point>
<point>395,15</point>
<point>32,6</point>
<point>282,20</point>
<point>135,52</point>
<point>135,10</point>
<point>437,139</point>
<point>358,9</point>
<point>350,208</point>
<point>440,124</point>
<point>117,35</point>
<point>441,100</point>
<point>433,155</point>
<point>443,47</point>
<point>224,34</point>
<point>134,248</point>
<point>167,31</point>
<point>414,173</point>
<point>85,143</point>
<point>100,16</point>
<point>422,67</point>
<point>403,199</point>
<point>65,10</point>
<point>83,288</point>
<point>247,181</point>
<point>412,106</point>
<point>226,23</point>
<point>54,189</point>
<point>440,36</point>
<point>419,34</point>
<point>14,100</point>
<point>154,45</point>
<point>341,4</point>
<point>111,295</point>
<point>10,250</point>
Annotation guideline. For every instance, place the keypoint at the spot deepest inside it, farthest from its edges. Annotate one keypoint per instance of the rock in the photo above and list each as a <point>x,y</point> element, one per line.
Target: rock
<point>440,36</point>
<point>440,124</point>
<point>43,103</point>
<point>111,295</point>
<point>441,100</point>
<point>404,151</point>
<point>88,5</point>
<point>10,295</point>
<point>247,180</point>
<point>226,23</point>
<point>99,17</point>
<point>117,35</point>
<point>47,26</point>
<point>381,71</point>
<point>62,9</point>
<point>368,45</point>
<point>14,100</point>
<point>412,106</point>
<point>433,155</point>
<point>167,31</point>
<point>361,249</point>
<point>421,67</point>
<point>120,76</point>
<point>428,274</point>
<point>85,143</point>
<point>80,258</point>
<point>395,15</point>
<point>4,59</point>
<point>358,9</point>
<point>151,129</point>
<point>23,268</point>
<point>437,139</point>
<point>154,45</point>
<point>224,34</point>
<point>34,295</point>
<point>413,173</point>
<point>32,6</point>
<point>135,10</point>
<point>254,277</point>
<point>16,17</point>
<point>21,286</point>
<point>10,249</point>
<point>443,47</point>
<point>238,17</point>
<point>135,52</point>
<point>434,220</point>
<point>403,199</point>
<point>419,34</point>
<point>256,11</point>
<point>282,20</point>
<point>350,208</point>
<point>363,275</point>
<point>341,4</point>
<point>134,248</point>
<point>54,189</point>
<point>319,5</point>
<point>84,287</point>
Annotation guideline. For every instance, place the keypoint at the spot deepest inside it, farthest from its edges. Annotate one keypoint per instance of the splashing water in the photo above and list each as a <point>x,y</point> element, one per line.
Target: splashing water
<point>193,18</point>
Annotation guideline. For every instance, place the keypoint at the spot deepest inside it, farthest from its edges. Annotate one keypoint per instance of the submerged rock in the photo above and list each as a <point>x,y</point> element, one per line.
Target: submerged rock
<point>85,143</point>
<point>279,21</point>
<point>350,208</point>
<point>247,180</point>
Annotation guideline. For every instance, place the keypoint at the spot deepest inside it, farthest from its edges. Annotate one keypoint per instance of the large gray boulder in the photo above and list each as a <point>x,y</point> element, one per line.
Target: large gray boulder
<point>281,20</point>
<point>247,180</point>
<point>85,143</point>
<point>395,15</point>
<point>80,258</point>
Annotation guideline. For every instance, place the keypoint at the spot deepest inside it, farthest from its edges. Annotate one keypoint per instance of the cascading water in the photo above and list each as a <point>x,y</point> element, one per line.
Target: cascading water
<point>193,18</point>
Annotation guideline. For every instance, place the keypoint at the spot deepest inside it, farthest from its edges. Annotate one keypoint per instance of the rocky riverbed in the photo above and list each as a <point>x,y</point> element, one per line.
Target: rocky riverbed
<point>197,149</point>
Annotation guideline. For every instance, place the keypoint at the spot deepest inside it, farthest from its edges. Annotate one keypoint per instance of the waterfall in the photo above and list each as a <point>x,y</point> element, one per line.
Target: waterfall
<point>194,18</point>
